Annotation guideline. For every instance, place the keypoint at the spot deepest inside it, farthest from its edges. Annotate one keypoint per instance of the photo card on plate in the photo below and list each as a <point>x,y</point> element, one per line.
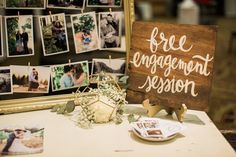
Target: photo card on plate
<point>54,35</point>
<point>19,35</point>
<point>110,30</point>
<point>84,27</point>
<point>25,4</point>
<point>71,4</point>
<point>5,81</point>
<point>104,3</point>
<point>30,79</point>
<point>71,75</point>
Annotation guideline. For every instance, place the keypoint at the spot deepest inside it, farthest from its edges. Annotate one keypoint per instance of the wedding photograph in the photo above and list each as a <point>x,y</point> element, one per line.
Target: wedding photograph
<point>19,36</point>
<point>104,3</point>
<point>54,34</point>
<point>84,27</point>
<point>113,67</point>
<point>30,79</point>
<point>66,4</point>
<point>21,140</point>
<point>5,81</point>
<point>25,4</point>
<point>67,76</point>
<point>110,30</point>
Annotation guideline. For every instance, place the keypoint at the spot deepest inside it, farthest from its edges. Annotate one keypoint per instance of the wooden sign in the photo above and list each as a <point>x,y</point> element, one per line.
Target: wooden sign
<point>171,64</point>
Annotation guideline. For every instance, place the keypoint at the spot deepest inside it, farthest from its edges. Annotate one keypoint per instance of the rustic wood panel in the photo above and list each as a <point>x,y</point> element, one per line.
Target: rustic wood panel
<point>196,50</point>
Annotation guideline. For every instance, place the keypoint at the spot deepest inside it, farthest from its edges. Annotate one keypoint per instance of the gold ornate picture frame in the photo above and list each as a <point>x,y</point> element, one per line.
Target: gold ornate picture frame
<point>46,102</point>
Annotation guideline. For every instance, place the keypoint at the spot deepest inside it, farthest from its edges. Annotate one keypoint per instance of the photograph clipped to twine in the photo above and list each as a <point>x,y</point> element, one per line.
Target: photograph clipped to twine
<point>104,3</point>
<point>5,81</point>
<point>113,67</point>
<point>19,35</point>
<point>110,30</point>
<point>30,79</point>
<point>72,4</point>
<point>68,76</point>
<point>54,35</point>
<point>84,27</point>
<point>25,4</point>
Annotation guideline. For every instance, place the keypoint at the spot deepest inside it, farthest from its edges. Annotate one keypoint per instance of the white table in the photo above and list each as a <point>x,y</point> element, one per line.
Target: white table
<point>63,138</point>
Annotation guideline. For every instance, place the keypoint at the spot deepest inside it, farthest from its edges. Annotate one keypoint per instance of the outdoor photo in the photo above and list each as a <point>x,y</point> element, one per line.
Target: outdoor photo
<point>54,34</point>
<point>25,4</point>
<point>85,32</point>
<point>69,4</point>
<point>104,3</point>
<point>68,76</point>
<point>19,36</point>
<point>5,81</point>
<point>18,140</point>
<point>110,30</point>
<point>113,67</point>
<point>30,79</point>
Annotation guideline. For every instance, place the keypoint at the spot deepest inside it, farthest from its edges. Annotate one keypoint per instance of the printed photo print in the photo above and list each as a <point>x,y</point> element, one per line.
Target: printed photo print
<point>5,81</point>
<point>66,4</point>
<point>68,76</point>
<point>18,140</point>
<point>110,30</point>
<point>19,34</point>
<point>54,34</point>
<point>25,4</point>
<point>104,3</point>
<point>113,67</point>
<point>30,79</point>
<point>1,35</point>
<point>84,27</point>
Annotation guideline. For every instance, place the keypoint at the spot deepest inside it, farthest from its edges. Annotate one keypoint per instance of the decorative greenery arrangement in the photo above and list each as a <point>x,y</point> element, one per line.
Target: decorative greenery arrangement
<point>97,105</point>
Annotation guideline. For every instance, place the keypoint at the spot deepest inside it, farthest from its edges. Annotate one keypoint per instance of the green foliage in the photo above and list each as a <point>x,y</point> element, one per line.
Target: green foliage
<point>64,108</point>
<point>28,23</point>
<point>86,22</point>
<point>12,26</point>
<point>58,73</point>
<point>3,135</point>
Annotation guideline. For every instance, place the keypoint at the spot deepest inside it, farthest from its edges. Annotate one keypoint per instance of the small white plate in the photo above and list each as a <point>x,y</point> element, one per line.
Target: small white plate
<point>153,139</point>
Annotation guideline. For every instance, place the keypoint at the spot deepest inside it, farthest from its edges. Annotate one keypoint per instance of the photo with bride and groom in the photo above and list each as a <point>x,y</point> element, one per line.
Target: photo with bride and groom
<point>19,33</point>
<point>18,140</point>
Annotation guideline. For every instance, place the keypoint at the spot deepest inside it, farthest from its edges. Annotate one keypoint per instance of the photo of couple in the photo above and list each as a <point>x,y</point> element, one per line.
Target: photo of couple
<point>69,76</point>
<point>21,140</point>
<point>54,34</point>
<point>85,32</point>
<point>25,4</point>
<point>29,79</point>
<point>113,67</point>
<point>110,30</point>
<point>19,36</point>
